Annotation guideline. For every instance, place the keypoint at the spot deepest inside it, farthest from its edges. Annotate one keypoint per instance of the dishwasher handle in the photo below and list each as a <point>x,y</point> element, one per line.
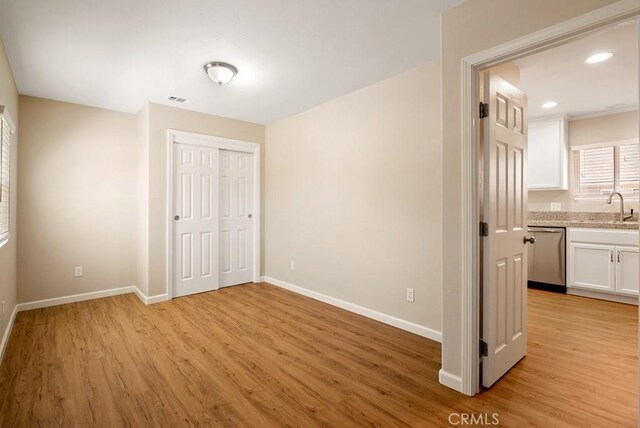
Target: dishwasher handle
<point>546,230</point>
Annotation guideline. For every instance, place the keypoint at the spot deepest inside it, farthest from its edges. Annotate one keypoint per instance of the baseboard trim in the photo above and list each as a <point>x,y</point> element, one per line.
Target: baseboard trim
<point>360,310</point>
<point>151,299</point>
<point>449,380</point>
<point>7,332</point>
<point>629,300</point>
<point>74,298</point>
<point>157,299</point>
<point>140,295</point>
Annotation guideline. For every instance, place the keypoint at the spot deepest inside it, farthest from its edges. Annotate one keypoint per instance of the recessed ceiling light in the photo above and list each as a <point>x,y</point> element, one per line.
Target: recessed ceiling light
<point>220,72</point>
<point>549,104</point>
<point>599,57</point>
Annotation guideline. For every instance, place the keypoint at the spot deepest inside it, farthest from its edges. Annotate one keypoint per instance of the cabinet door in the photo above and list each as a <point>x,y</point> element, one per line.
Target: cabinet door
<point>627,270</point>
<point>592,266</point>
<point>548,155</point>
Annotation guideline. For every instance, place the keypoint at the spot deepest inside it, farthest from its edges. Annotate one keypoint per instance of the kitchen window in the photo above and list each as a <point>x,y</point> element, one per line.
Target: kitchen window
<point>603,169</point>
<point>6,130</point>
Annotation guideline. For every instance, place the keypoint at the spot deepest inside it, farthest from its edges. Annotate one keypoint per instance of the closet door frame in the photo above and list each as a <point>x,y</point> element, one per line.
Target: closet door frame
<point>184,137</point>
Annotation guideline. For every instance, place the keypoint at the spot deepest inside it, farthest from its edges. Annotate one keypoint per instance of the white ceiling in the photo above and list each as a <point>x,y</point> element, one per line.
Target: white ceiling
<point>561,75</point>
<point>291,54</point>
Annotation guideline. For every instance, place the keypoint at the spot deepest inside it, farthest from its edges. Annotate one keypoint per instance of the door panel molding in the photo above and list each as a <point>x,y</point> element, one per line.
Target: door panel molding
<point>192,138</point>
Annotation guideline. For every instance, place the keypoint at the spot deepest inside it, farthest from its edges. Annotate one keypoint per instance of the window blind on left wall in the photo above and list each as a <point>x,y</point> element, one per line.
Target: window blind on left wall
<point>5,162</point>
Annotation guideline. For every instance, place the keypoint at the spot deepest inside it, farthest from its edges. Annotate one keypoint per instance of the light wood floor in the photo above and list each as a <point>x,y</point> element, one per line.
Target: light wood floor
<point>256,355</point>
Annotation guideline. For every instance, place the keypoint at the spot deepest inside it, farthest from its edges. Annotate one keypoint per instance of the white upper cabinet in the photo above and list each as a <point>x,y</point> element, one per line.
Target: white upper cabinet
<point>548,157</point>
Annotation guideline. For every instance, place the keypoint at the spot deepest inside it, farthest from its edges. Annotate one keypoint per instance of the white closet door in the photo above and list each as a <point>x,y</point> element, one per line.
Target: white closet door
<point>196,207</point>
<point>236,217</point>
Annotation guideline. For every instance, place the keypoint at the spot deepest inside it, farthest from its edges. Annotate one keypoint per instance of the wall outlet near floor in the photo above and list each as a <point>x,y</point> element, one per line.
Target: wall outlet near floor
<point>292,265</point>
<point>77,271</point>
<point>556,206</point>
<point>410,295</point>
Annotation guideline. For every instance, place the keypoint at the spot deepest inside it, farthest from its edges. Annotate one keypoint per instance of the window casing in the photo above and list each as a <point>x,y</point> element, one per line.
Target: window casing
<point>606,168</point>
<point>6,131</point>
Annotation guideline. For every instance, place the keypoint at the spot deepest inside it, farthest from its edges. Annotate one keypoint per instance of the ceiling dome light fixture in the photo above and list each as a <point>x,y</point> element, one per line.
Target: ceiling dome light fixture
<point>549,104</point>
<point>599,57</point>
<point>220,72</point>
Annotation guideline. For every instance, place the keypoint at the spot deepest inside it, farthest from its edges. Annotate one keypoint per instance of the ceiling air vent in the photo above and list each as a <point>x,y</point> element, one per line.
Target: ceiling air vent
<point>175,99</point>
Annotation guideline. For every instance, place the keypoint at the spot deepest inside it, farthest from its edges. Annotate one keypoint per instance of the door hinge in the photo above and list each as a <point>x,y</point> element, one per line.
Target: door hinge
<point>484,348</point>
<point>484,110</point>
<point>484,229</point>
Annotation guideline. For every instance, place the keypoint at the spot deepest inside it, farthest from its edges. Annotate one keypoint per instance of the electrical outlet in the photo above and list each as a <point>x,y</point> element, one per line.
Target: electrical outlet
<point>77,271</point>
<point>556,206</point>
<point>410,295</point>
<point>292,265</point>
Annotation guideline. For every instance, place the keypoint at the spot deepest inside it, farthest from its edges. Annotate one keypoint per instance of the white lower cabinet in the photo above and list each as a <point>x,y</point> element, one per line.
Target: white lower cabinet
<point>627,270</point>
<point>603,260</point>
<point>592,266</point>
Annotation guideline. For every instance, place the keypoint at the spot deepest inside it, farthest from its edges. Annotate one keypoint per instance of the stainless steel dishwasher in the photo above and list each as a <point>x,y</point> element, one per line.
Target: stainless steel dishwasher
<point>547,258</point>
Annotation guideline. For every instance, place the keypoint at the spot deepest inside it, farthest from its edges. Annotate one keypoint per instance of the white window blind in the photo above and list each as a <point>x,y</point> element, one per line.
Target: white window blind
<point>629,169</point>
<point>5,151</point>
<point>602,170</point>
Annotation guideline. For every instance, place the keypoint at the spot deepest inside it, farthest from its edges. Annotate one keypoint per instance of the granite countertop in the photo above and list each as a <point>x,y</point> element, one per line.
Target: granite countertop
<point>581,219</point>
<point>586,224</point>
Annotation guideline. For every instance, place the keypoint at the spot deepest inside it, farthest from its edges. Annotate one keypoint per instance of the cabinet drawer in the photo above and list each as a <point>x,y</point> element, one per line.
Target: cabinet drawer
<point>603,236</point>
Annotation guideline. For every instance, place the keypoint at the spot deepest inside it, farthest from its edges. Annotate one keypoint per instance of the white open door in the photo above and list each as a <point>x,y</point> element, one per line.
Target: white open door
<point>236,217</point>
<point>504,252</point>
<point>196,202</point>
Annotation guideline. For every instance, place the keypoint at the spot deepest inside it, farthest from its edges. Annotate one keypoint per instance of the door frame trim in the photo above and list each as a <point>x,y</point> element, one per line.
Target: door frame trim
<point>184,137</point>
<point>547,38</point>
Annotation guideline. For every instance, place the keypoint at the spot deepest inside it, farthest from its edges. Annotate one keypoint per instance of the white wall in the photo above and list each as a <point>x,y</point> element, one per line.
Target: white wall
<point>8,252</point>
<point>76,197</point>
<point>600,129</point>
<point>354,197</point>
<point>92,194</point>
